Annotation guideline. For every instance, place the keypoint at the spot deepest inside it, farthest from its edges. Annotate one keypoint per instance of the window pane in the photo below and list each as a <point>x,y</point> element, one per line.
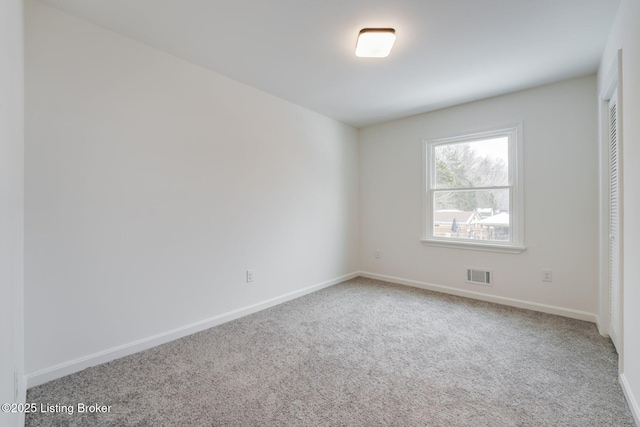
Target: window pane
<point>483,163</point>
<point>479,215</point>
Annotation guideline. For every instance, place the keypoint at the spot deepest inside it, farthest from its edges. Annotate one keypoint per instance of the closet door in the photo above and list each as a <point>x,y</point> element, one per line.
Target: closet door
<point>614,225</point>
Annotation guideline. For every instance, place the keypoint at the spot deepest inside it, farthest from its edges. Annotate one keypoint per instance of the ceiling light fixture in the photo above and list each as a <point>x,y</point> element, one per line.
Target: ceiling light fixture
<point>375,42</point>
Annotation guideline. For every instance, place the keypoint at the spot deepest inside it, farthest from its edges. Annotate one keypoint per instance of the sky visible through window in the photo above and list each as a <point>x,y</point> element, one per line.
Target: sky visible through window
<point>497,148</point>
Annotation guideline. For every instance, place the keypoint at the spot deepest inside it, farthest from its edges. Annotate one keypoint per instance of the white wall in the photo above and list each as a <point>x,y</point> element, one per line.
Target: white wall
<point>11,202</point>
<point>625,35</point>
<point>153,184</point>
<point>560,196</point>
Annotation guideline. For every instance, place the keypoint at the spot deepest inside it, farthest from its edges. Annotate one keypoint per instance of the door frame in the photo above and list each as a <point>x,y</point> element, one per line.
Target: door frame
<point>612,82</point>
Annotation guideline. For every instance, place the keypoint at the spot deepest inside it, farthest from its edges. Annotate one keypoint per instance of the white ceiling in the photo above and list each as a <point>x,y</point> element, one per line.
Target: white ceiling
<point>447,51</point>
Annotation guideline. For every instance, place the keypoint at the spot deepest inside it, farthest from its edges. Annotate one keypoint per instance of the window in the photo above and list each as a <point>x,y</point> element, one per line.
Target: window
<point>473,191</point>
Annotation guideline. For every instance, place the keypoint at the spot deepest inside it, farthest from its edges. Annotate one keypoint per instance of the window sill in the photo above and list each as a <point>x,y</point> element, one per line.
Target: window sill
<point>488,247</point>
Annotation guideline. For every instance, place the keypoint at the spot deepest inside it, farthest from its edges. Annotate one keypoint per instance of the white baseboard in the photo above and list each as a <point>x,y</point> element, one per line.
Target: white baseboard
<point>560,311</point>
<point>634,405</point>
<point>602,328</point>
<point>45,375</point>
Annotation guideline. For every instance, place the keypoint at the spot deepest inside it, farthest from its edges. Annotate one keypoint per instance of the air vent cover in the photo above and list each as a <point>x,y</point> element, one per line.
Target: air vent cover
<point>479,276</point>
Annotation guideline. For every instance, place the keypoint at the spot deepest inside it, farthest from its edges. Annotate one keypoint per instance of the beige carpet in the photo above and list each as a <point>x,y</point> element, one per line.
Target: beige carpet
<point>362,353</point>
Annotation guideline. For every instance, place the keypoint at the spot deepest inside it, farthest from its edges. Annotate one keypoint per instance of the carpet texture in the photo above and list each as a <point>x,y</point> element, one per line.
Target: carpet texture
<point>361,353</point>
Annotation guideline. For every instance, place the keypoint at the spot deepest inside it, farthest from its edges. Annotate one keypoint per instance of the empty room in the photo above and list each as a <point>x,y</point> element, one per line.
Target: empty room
<point>303,213</point>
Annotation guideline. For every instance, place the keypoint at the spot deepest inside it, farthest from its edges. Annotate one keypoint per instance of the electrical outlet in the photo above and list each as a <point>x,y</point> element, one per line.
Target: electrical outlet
<point>249,276</point>
<point>377,253</point>
<point>547,275</point>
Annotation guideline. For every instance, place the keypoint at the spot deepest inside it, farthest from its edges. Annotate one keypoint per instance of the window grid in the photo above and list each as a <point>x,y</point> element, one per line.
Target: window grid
<point>490,237</point>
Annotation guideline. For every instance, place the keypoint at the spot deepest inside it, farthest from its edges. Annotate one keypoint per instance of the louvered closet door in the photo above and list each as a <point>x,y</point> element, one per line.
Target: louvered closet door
<point>614,224</point>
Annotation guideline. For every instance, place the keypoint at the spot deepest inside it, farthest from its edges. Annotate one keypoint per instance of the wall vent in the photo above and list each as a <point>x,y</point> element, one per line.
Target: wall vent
<point>480,277</point>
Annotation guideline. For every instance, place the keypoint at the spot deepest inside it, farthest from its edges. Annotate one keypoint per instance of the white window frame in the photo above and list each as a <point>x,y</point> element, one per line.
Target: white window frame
<point>515,186</point>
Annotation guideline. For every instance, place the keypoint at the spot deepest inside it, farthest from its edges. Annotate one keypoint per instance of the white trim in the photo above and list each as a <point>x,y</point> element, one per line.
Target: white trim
<point>602,327</point>
<point>473,245</point>
<point>512,302</point>
<point>611,83</point>
<point>634,406</point>
<point>612,78</point>
<point>48,374</point>
<point>604,308</point>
